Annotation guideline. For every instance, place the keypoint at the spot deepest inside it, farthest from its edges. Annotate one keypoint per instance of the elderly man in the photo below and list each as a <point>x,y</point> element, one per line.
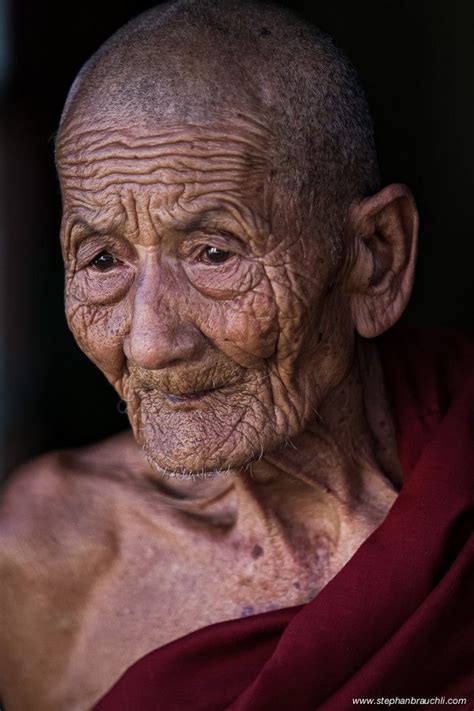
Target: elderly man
<point>229,258</point>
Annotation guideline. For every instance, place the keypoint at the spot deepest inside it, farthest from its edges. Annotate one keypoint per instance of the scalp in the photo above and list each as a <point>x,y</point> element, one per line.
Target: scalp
<point>189,58</point>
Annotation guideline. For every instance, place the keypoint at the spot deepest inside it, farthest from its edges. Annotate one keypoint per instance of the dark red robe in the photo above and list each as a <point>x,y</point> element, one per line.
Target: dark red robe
<point>397,620</point>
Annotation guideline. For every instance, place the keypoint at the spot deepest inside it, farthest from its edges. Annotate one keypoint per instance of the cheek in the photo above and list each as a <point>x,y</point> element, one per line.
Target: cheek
<point>296,309</point>
<point>99,330</point>
<point>313,333</point>
<point>334,339</point>
<point>245,328</point>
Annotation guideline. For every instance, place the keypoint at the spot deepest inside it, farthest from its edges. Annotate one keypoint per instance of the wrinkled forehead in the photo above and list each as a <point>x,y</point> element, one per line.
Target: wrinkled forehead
<point>109,172</point>
<point>237,139</point>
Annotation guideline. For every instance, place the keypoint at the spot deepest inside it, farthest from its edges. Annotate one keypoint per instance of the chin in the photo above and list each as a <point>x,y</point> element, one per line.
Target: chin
<point>184,474</point>
<point>204,441</point>
<point>210,433</point>
<point>195,454</point>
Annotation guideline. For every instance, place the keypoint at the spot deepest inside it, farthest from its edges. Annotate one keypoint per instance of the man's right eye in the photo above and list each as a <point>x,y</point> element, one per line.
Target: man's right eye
<point>104,261</point>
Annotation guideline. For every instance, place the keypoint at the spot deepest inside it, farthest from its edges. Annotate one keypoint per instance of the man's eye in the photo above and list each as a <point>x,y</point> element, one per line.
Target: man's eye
<point>214,255</point>
<point>104,261</point>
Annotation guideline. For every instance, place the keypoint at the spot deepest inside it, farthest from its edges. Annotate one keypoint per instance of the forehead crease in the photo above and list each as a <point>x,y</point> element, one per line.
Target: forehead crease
<point>88,167</point>
<point>96,137</point>
<point>174,197</point>
<point>181,147</point>
<point>164,183</point>
<point>221,171</point>
<point>103,202</point>
<point>226,152</point>
<point>172,174</point>
<point>167,169</point>
<point>102,215</point>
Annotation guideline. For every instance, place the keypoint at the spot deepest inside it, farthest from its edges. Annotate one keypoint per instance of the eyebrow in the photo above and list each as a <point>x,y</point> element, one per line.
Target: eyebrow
<point>193,222</point>
<point>211,219</point>
<point>88,229</point>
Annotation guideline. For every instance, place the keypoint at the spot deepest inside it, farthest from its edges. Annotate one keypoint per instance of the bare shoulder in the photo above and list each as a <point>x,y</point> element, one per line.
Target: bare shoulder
<point>69,502</point>
<point>32,489</point>
<point>59,541</point>
<point>54,508</point>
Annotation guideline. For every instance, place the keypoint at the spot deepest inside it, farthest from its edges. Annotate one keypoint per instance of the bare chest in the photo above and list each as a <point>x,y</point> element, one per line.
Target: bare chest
<point>77,632</point>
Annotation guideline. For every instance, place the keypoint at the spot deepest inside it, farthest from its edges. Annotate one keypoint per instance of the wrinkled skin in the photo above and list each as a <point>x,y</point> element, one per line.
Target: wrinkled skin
<point>223,321</point>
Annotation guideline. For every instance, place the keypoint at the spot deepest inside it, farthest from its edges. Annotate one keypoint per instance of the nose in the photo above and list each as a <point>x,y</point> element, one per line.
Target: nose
<point>160,336</point>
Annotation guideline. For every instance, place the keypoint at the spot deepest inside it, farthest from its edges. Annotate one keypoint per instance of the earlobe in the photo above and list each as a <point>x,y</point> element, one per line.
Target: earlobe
<point>383,230</point>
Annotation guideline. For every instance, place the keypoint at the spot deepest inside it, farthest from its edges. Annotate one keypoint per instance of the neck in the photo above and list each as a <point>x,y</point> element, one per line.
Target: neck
<point>349,444</point>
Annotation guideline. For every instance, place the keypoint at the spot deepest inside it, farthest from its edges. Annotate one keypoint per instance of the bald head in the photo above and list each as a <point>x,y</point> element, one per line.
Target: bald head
<point>195,62</point>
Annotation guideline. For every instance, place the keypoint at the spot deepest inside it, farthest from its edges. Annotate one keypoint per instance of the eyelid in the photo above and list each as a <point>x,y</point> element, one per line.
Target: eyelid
<point>89,250</point>
<point>228,236</point>
<point>201,257</point>
<point>90,247</point>
<point>198,254</point>
<point>225,241</point>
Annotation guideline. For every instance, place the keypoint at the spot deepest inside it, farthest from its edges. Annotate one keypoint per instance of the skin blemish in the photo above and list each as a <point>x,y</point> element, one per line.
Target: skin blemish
<point>257,551</point>
<point>297,585</point>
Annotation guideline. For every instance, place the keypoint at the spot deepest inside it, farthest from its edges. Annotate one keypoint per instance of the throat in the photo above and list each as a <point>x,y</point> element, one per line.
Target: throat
<point>281,538</point>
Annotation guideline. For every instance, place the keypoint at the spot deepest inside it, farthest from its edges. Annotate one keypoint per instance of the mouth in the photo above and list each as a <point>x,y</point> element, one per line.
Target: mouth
<point>182,400</point>
<point>187,397</point>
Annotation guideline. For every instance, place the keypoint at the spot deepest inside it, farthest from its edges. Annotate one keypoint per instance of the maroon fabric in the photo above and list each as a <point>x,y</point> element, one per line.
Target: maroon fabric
<point>397,619</point>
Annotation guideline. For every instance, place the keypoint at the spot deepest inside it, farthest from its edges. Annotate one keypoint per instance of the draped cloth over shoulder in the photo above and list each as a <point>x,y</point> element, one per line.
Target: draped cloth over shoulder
<point>396,620</point>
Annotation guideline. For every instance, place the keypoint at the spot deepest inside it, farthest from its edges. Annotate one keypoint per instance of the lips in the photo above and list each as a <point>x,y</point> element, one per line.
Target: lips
<point>188,397</point>
<point>189,400</point>
<point>185,387</point>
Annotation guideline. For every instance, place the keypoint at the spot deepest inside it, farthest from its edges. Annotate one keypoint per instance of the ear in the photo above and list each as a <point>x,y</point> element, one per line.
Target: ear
<point>383,231</point>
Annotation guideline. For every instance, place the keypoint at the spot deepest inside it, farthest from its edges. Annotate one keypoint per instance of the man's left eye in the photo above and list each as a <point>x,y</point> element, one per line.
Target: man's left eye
<point>214,255</point>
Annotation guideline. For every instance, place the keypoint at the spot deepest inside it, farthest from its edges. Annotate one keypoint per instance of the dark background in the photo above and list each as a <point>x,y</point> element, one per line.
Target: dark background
<point>416,61</point>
